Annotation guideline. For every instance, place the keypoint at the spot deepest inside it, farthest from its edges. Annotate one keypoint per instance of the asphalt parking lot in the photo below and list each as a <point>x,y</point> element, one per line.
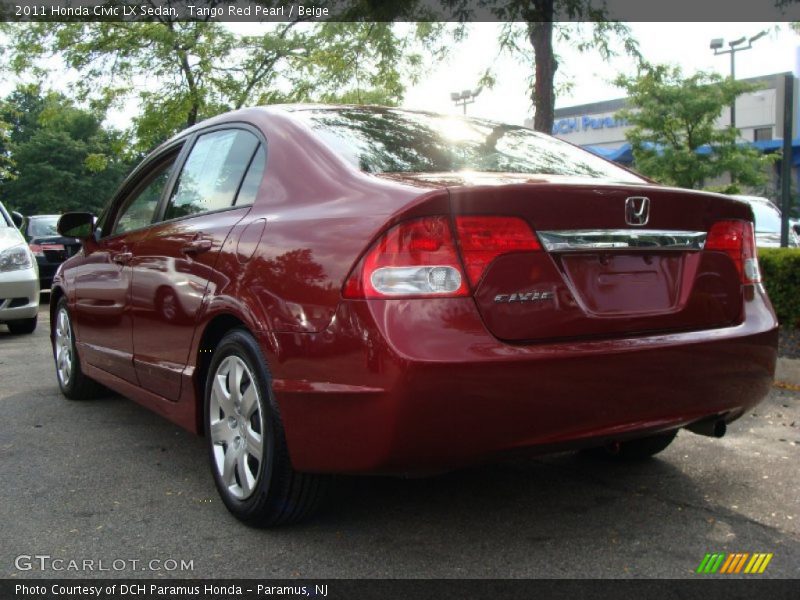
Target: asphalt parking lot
<point>108,480</point>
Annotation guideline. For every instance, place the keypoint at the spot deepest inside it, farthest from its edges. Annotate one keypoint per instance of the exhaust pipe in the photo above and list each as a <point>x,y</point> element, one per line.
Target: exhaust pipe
<point>711,427</point>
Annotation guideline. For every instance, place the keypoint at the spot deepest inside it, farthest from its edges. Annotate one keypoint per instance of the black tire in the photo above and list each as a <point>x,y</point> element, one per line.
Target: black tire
<point>635,450</point>
<point>21,326</point>
<point>76,385</point>
<point>279,495</point>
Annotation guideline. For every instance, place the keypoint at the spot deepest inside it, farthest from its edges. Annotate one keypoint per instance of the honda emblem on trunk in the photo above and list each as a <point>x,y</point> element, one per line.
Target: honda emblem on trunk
<point>637,210</point>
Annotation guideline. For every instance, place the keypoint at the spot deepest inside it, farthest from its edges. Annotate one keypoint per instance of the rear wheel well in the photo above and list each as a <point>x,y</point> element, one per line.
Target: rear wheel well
<point>212,335</point>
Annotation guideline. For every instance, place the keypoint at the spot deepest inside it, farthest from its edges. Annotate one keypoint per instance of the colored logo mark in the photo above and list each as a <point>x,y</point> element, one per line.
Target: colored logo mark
<point>738,562</point>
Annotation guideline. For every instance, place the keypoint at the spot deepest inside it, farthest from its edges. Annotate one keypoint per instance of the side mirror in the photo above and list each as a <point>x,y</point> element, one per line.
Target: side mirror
<point>17,218</point>
<point>76,225</point>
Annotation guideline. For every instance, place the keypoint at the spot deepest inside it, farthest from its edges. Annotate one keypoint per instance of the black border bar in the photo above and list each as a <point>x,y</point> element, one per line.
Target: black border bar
<point>399,10</point>
<point>703,587</point>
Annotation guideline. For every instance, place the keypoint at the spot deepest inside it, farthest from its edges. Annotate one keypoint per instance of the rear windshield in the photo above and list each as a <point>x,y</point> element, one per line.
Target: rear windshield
<point>397,141</point>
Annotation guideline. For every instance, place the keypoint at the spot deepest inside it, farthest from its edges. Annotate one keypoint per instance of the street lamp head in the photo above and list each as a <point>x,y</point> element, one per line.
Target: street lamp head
<point>455,96</point>
<point>737,42</point>
<point>758,36</point>
<point>716,43</point>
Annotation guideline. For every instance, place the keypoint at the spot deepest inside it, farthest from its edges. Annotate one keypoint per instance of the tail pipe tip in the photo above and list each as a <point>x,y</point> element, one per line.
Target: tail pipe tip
<point>715,427</point>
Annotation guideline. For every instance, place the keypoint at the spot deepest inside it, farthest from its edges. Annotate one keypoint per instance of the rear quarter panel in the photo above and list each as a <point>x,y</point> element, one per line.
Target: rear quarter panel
<point>286,262</point>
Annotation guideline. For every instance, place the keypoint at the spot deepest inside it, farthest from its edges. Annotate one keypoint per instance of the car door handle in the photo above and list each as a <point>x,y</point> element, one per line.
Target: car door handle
<point>122,258</point>
<point>197,246</point>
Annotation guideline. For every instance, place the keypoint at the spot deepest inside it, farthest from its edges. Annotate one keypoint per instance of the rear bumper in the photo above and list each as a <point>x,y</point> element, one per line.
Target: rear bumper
<point>392,388</point>
<point>19,295</point>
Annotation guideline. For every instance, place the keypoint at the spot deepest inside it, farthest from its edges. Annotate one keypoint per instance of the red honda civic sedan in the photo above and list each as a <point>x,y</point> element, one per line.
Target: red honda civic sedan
<point>324,290</point>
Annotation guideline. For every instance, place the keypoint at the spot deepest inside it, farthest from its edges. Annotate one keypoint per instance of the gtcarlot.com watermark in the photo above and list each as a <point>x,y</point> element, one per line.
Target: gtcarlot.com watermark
<point>45,562</point>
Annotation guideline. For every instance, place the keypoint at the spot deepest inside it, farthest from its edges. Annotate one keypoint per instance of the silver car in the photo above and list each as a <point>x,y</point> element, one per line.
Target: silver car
<point>19,279</point>
<point>768,223</point>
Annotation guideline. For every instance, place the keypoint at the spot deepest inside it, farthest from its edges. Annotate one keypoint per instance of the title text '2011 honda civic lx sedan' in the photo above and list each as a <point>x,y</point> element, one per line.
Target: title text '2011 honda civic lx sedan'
<point>343,289</point>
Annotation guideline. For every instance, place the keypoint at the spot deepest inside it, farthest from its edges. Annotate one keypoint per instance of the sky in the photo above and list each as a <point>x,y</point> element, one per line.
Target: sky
<point>685,44</point>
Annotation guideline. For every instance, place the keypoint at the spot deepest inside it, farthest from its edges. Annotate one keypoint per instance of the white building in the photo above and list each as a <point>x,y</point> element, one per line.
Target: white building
<point>759,116</point>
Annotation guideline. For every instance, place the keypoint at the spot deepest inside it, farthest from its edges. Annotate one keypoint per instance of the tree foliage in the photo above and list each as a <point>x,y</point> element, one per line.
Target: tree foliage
<point>63,158</point>
<point>177,73</point>
<point>597,36</point>
<point>184,72</point>
<point>675,136</point>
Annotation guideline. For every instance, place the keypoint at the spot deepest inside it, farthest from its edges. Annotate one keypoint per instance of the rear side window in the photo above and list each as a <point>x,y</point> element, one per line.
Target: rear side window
<point>212,173</point>
<point>249,189</point>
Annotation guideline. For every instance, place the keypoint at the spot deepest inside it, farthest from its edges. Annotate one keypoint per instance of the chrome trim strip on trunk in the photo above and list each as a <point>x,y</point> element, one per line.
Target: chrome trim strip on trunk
<point>582,240</point>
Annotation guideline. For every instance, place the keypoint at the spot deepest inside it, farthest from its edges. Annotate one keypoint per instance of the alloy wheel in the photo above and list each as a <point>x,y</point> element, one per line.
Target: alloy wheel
<point>63,347</point>
<point>236,426</point>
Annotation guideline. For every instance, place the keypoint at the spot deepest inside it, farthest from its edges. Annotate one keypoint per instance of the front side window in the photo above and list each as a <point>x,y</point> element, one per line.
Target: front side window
<point>139,210</point>
<point>212,173</point>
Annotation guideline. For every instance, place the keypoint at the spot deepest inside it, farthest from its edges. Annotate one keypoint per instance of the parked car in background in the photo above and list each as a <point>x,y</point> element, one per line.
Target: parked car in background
<point>373,290</point>
<point>19,279</point>
<point>768,223</point>
<point>48,246</point>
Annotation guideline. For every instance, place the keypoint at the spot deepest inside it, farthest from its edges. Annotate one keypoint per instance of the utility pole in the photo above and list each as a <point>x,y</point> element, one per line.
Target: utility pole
<point>734,47</point>
<point>464,98</point>
<point>786,160</point>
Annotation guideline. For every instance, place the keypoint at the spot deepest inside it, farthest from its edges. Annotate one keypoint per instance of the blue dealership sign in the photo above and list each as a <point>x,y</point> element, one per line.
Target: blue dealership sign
<point>586,122</point>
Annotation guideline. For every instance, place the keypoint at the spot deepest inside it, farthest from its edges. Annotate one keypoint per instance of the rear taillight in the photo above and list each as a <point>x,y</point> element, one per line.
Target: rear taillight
<point>416,258</point>
<point>737,240</point>
<point>37,249</point>
<point>485,238</point>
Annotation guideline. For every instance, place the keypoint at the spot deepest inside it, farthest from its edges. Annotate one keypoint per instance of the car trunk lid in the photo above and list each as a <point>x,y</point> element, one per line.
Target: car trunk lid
<point>603,270</point>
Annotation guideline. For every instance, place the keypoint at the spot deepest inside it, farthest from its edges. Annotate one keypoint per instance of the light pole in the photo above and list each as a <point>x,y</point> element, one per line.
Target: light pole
<point>734,47</point>
<point>465,97</point>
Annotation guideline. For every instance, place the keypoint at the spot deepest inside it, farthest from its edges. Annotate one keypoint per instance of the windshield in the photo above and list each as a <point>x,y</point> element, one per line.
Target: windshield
<point>43,227</point>
<point>768,219</point>
<point>396,141</point>
<point>5,219</point>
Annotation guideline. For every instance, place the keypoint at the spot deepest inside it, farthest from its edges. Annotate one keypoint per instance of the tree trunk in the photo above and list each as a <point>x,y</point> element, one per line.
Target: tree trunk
<point>540,34</point>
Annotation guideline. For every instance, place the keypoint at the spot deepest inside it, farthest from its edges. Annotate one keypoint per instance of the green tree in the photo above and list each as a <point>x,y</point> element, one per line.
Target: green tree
<point>531,29</point>
<point>675,136</point>
<point>541,32</point>
<point>183,72</point>
<point>63,158</point>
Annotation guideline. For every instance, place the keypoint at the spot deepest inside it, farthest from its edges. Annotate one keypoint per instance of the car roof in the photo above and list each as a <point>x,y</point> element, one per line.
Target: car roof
<point>378,108</point>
